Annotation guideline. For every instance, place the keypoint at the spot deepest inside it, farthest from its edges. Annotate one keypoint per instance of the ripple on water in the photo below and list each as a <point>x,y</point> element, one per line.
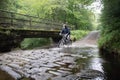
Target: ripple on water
<point>91,74</point>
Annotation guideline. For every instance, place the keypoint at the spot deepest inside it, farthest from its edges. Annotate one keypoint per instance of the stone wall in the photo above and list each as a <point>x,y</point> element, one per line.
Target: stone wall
<point>9,41</point>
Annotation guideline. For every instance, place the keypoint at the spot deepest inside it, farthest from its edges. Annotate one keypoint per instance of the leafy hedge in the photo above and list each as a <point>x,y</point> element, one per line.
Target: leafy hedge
<point>110,34</point>
<point>29,43</point>
<point>78,34</point>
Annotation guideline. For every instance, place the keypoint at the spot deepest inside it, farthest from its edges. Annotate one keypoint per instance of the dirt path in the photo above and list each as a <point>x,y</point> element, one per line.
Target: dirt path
<point>89,40</point>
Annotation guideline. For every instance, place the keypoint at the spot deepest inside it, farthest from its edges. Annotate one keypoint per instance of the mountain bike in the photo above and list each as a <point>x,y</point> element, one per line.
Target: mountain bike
<point>65,40</point>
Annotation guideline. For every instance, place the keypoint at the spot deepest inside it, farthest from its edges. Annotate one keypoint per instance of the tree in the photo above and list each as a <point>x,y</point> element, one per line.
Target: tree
<point>110,36</point>
<point>72,11</point>
<point>4,4</point>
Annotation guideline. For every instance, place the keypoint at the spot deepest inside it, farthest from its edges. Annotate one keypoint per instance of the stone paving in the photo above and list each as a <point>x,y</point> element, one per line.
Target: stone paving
<point>40,64</point>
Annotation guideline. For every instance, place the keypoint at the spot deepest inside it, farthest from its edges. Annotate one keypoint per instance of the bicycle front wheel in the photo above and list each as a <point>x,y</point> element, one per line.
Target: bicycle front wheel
<point>61,43</point>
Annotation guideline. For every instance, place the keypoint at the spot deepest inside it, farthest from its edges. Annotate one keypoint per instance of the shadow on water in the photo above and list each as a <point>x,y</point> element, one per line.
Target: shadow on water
<point>111,68</point>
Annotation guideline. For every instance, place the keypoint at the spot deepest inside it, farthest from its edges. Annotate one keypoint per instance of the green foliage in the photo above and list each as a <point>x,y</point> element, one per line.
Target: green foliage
<point>78,34</point>
<point>110,40</point>
<point>29,43</point>
<point>110,36</point>
<point>9,5</point>
<point>4,4</point>
<point>75,14</point>
<point>71,11</point>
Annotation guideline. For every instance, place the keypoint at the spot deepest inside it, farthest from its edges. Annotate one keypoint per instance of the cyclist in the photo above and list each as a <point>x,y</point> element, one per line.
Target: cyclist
<point>65,32</point>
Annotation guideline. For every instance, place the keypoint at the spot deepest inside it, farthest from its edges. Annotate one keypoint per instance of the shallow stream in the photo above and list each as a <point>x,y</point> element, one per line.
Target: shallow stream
<point>67,63</point>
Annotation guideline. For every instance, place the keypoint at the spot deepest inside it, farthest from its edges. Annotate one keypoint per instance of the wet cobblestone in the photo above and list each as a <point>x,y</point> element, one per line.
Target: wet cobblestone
<point>39,64</point>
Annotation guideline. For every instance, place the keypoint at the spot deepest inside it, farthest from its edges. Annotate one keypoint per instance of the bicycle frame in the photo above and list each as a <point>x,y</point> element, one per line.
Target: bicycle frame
<point>65,40</point>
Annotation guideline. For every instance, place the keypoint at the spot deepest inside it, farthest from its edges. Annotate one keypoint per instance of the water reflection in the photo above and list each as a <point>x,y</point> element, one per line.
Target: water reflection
<point>112,69</point>
<point>87,59</point>
<point>95,63</point>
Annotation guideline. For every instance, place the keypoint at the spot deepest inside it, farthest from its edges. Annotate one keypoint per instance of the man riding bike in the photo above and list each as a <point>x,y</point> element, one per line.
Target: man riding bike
<point>65,32</point>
